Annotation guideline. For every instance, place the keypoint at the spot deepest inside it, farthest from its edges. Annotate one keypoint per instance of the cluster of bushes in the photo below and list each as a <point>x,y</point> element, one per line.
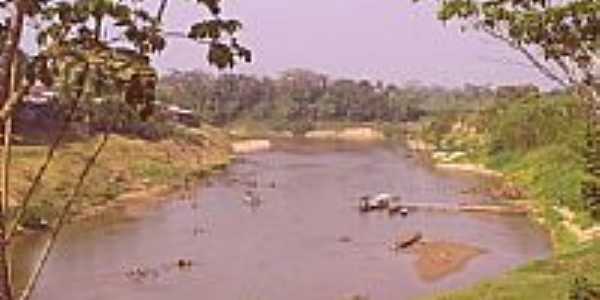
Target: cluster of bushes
<point>541,141</point>
<point>532,122</point>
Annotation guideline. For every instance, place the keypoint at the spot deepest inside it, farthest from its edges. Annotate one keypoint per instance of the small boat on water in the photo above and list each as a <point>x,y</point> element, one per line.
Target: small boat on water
<point>404,211</point>
<point>381,201</point>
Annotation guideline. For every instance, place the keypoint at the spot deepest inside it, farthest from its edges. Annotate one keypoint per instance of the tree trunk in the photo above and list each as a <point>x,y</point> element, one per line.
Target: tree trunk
<point>5,286</point>
<point>5,263</point>
<point>9,83</point>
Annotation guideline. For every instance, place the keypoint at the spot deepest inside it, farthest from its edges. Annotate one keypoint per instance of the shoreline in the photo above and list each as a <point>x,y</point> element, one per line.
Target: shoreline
<point>470,168</point>
<point>251,145</point>
<point>131,203</point>
<point>532,208</point>
<point>436,260</point>
<point>329,132</point>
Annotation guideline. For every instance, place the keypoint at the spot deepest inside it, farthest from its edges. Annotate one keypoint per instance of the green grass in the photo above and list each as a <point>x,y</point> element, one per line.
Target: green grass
<point>553,176</point>
<point>552,173</point>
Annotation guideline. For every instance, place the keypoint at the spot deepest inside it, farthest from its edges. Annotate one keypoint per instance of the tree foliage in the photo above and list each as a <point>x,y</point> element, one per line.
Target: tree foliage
<point>113,42</point>
<point>301,96</point>
<point>563,33</point>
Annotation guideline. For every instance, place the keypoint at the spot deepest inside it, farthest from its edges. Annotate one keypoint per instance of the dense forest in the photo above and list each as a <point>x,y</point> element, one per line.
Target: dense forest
<point>302,96</point>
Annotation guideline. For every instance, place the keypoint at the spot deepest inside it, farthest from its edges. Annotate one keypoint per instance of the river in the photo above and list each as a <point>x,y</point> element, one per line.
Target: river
<point>305,241</point>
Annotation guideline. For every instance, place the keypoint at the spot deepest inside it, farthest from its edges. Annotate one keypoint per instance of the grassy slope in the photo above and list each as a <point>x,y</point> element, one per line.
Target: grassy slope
<point>551,171</point>
<point>126,165</point>
<point>553,176</point>
<point>543,280</point>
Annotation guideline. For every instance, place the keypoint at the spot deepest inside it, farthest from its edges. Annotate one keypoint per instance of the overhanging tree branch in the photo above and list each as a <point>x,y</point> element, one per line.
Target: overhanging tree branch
<point>161,10</point>
<point>50,154</point>
<point>15,98</point>
<point>10,52</point>
<point>544,69</point>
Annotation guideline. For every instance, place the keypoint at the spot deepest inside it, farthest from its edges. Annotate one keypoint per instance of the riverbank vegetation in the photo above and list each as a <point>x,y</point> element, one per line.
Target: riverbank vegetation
<point>538,143</point>
<point>551,148</point>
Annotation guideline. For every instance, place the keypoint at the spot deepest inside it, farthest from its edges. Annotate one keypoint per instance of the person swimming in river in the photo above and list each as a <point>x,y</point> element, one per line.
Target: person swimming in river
<point>251,199</point>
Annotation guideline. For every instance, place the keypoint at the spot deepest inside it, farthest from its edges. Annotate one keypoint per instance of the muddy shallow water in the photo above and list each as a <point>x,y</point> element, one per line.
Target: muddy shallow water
<point>305,241</point>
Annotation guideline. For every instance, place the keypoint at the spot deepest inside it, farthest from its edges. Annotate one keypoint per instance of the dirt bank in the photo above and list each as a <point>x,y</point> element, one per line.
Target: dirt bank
<point>247,146</point>
<point>436,260</point>
<point>321,134</point>
<point>133,203</point>
<point>128,169</point>
<point>365,134</point>
<point>468,167</point>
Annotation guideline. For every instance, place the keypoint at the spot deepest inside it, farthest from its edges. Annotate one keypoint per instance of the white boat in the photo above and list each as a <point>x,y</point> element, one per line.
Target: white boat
<point>383,201</point>
<point>380,201</point>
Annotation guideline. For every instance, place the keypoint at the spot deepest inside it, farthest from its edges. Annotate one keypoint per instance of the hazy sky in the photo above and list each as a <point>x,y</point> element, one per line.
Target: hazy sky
<point>391,40</point>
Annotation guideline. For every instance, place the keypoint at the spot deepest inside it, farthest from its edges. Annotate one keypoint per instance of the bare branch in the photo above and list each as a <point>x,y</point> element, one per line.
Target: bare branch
<point>544,69</point>
<point>15,98</point>
<point>161,10</point>
<point>12,47</point>
<point>4,206</point>
<point>49,155</point>
<point>566,70</point>
<point>183,35</point>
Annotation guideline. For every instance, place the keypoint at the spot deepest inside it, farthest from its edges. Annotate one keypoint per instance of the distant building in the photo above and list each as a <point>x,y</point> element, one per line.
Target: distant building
<point>178,114</point>
<point>40,95</point>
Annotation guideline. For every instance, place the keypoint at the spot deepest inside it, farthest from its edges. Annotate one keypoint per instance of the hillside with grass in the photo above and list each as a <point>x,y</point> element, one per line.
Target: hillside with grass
<point>538,143</point>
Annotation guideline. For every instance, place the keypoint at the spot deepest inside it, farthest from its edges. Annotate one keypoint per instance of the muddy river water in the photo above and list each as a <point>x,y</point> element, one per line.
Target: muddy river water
<point>305,241</point>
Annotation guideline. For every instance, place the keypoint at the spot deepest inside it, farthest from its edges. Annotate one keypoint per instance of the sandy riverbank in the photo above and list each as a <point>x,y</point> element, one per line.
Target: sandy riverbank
<point>358,134</point>
<point>438,259</point>
<point>470,168</point>
<point>251,145</point>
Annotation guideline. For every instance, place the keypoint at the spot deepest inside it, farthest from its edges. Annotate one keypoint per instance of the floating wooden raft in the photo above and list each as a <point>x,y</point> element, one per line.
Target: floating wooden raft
<point>484,208</point>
